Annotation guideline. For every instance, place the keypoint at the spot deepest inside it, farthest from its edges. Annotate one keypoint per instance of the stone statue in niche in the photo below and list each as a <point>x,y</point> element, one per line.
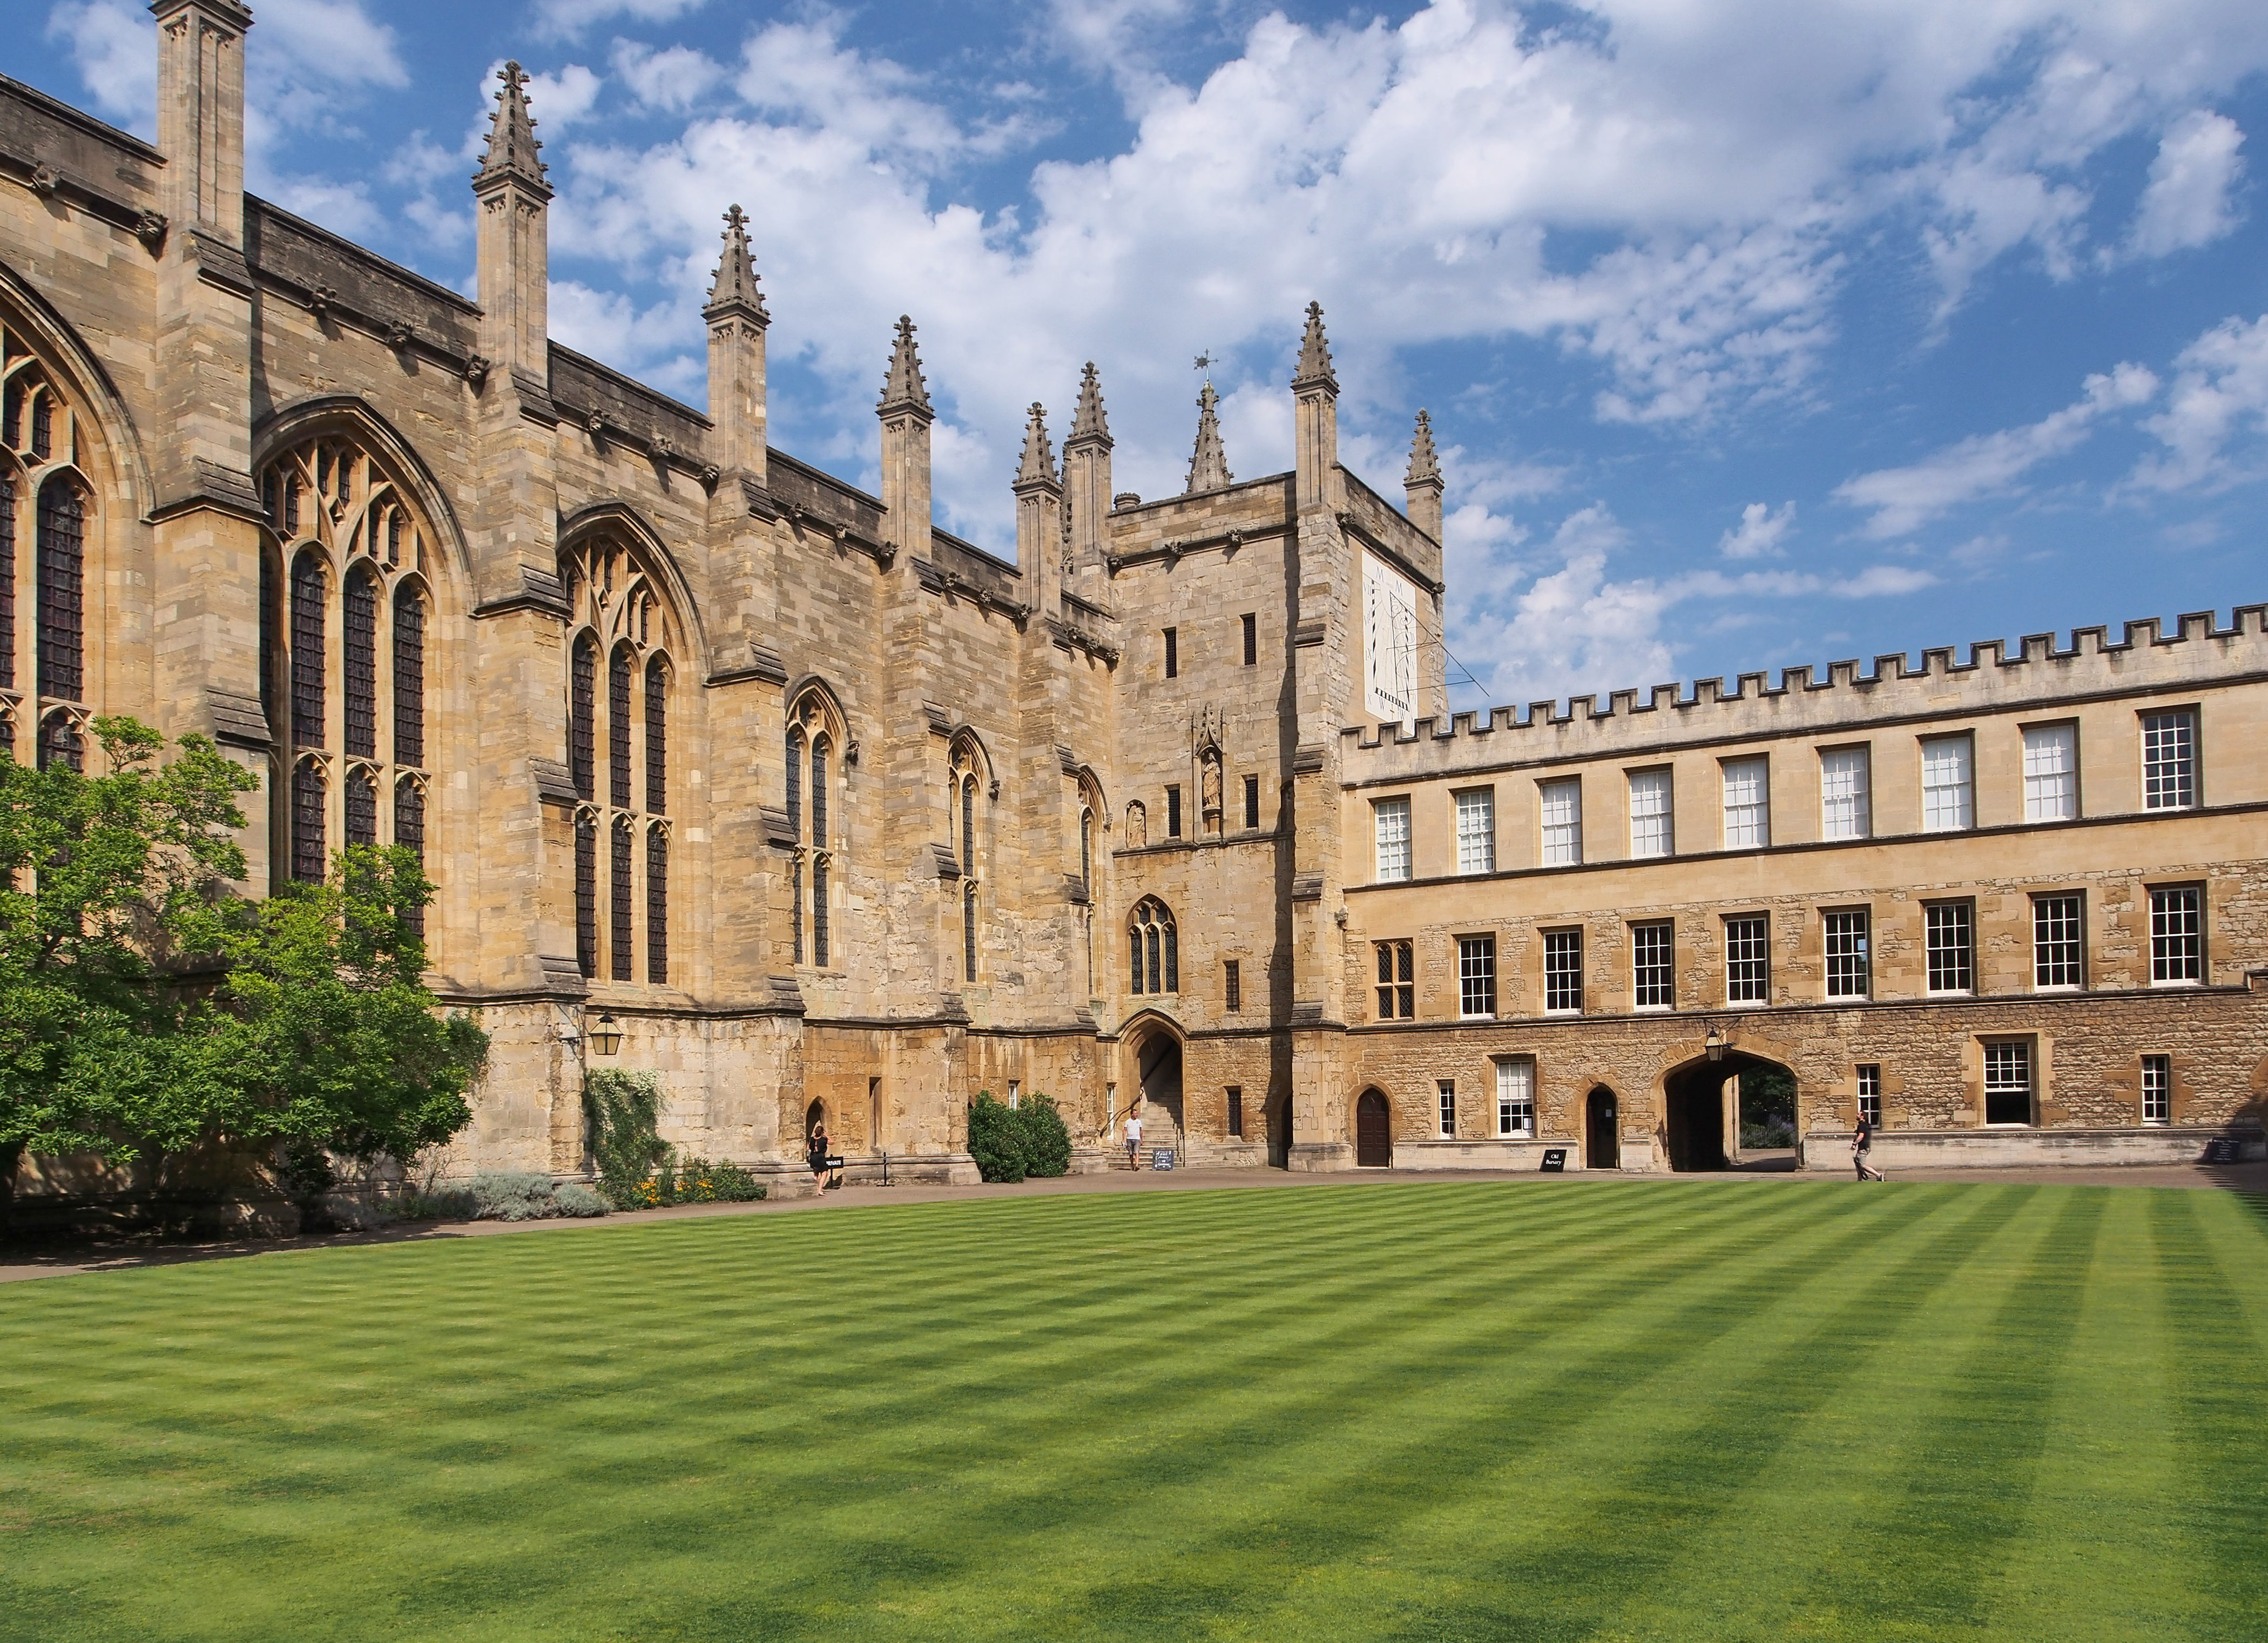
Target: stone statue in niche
<point>1138,826</point>
<point>1210,789</point>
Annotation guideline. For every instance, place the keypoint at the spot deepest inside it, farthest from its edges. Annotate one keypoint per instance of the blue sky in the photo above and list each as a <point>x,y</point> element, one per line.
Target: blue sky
<point>1753,333</point>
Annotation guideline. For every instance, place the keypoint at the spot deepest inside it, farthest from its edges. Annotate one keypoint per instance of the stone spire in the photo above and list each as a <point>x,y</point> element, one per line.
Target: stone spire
<point>1209,463</point>
<point>1039,467</point>
<point>511,151</point>
<point>734,289</point>
<point>903,388</point>
<point>1314,354</point>
<point>1090,424</point>
<point>1424,464</point>
<point>1423,482</point>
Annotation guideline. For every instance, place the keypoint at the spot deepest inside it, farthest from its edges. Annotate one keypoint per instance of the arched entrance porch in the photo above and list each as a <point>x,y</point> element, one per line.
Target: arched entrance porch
<point>1701,1107</point>
<point>1601,1142</point>
<point>1157,1049</point>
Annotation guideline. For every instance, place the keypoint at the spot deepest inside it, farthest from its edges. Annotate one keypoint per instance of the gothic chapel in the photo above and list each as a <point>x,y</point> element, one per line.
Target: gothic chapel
<point>831,814</point>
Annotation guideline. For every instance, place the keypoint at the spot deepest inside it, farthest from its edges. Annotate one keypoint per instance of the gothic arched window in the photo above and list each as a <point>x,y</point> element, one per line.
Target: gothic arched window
<point>1153,958</point>
<point>47,507</point>
<point>969,767</point>
<point>63,589</point>
<point>815,730</point>
<point>618,615</point>
<point>7,579</point>
<point>344,555</point>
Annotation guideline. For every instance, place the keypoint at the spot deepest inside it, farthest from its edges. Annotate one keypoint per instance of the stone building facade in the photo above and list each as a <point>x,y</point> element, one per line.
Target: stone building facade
<point>830,813</point>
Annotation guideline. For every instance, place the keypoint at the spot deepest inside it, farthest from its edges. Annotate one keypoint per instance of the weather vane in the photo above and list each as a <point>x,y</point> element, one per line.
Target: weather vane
<point>1204,360</point>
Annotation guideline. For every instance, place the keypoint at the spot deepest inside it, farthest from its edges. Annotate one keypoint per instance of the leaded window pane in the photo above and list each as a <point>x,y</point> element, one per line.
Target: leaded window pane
<point>310,852</point>
<point>795,785</point>
<point>657,737</point>
<point>408,679</point>
<point>582,709</point>
<point>360,653</point>
<point>621,931</point>
<point>586,895</point>
<point>819,910</point>
<point>8,580</point>
<point>657,907</point>
<point>819,750</point>
<point>63,589</point>
<point>410,834</point>
<point>361,809</point>
<point>618,728</point>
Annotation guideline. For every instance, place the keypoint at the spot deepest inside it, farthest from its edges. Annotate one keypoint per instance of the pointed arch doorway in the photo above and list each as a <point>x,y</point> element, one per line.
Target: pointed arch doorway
<point>1158,1063</point>
<point>1373,1131</point>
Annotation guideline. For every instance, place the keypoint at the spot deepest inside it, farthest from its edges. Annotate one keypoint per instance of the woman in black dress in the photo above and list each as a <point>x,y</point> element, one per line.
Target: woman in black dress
<point>817,1155</point>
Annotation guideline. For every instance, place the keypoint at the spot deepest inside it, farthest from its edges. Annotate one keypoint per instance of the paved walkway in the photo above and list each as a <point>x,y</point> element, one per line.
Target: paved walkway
<point>66,1261</point>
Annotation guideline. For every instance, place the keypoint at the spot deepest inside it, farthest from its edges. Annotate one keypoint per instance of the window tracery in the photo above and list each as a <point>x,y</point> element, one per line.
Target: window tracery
<point>344,611</point>
<point>1154,948</point>
<point>967,770</point>
<point>814,730</point>
<point>47,505</point>
<point>622,623</point>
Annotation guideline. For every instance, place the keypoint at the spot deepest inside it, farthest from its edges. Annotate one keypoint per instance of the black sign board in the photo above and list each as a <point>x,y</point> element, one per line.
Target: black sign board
<point>1555,1161</point>
<point>2221,1150</point>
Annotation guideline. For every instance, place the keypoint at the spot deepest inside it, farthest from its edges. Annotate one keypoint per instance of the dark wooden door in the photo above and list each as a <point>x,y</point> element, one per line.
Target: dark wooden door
<point>1373,1132</point>
<point>1600,1150</point>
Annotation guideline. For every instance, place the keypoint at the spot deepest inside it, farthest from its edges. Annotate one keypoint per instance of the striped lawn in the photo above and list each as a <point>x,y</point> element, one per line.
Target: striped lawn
<point>1712,1410</point>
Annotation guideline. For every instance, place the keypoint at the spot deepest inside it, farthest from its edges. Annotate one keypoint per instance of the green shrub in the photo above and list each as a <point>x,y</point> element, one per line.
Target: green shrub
<point>431,1203</point>
<point>706,1180</point>
<point>996,1140</point>
<point>504,1197</point>
<point>1046,1140</point>
<point>576,1199</point>
<point>622,1110</point>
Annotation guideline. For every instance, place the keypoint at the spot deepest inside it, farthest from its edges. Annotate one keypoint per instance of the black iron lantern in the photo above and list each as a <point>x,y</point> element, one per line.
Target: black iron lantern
<point>1715,1040</point>
<point>606,1037</point>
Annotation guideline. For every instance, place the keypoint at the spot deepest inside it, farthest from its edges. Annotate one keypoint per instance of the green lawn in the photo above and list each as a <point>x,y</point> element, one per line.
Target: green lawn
<point>1695,1409</point>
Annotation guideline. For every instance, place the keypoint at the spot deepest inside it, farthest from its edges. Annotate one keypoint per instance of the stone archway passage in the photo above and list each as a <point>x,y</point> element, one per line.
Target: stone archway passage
<point>1602,1144</point>
<point>1373,1132</point>
<point>1279,1130</point>
<point>1163,1128</point>
<point>1702,1110</point>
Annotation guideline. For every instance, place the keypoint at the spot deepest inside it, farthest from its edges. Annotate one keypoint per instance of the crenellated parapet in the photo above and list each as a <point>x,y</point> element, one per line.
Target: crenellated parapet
<point>1993,678</point>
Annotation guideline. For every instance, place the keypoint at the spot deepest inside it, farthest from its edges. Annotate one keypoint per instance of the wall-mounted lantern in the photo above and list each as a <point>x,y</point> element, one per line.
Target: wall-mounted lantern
<point>606,1037</point>
<point>1715,1040</point>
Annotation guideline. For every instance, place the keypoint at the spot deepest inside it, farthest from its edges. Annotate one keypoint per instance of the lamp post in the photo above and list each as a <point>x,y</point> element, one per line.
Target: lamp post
<point>606,1037</point>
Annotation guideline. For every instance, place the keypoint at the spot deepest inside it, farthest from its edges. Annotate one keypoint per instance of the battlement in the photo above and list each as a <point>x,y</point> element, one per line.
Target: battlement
<point>1993,678</point>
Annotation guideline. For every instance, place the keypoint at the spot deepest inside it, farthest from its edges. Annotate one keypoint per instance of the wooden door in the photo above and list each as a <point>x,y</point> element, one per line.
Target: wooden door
<point>1373,1132</point>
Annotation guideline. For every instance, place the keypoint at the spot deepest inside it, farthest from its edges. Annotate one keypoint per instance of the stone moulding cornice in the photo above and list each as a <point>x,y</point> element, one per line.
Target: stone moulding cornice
<point>554,783</point>
<point>1393,556</point>
<point>934,579</point>
<point>52,182</point>
<point>239,721</point>
<point>539,590</point>
<point>1068,636</point>
<point>948,866</point>
<point>1173,549</point>
<point>777,826</point>
<point>810,526</point>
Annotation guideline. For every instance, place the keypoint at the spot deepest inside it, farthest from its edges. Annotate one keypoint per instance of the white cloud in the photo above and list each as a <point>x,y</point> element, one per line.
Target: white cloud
<point>557,100</point>
<point>2186,202</point>
<point>567,19</point>
<point>2220,395</point>
<point>1759,532</point>
<point>670,81</point>
<point>1904,499</point>
<point>114,47</point>
<point>334,41</point>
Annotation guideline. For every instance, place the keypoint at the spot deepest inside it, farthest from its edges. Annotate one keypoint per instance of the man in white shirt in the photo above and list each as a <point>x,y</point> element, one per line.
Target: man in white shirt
<point>1134,1137</point>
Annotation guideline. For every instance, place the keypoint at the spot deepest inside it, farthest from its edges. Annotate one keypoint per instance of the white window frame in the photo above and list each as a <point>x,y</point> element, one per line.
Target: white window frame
<point>2157,1089</point>
<point>2051,772</point>
<point>1560,809</point>
<point>1560,939</point>
<point>1748,976</point>
<point>2188,964</point>
<point>1515,1097</point>
<point>2077,940</point>
<point>1653,814</point>
<point>1748,803</point>
<point>1870,1092</point>
<point>1948,783</point>
<point>1476,961</point>
<point>2015,1052</point>
<point>1476,830</point>
<point>1846,793</point>
<point>1390,824</point>
<point>1446,1089</point>
<point>1856,933</point>
<point>2170,759</point>
<point>1645,935</point>
<point>1966,920</point>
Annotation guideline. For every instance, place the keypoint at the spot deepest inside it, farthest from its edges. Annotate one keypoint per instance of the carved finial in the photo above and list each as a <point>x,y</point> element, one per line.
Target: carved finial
<point>1316,354</point>
<point>1039,466</point>
<point>1209,463</point>
<point>734,289</point>
<point>1425,466</point>
<point>512,149</point>
<point>904,387</point>
<point>1090,424</point>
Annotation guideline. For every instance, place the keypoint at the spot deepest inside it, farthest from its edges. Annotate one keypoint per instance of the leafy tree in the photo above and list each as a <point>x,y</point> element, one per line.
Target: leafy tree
<point>996,1140</point>
<point>143,1010</point>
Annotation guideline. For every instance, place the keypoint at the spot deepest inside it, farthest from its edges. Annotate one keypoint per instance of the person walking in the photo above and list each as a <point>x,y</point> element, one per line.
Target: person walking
<point>1134,1136</point>
<point>816,1154</point>
<point>1862,1142</point>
